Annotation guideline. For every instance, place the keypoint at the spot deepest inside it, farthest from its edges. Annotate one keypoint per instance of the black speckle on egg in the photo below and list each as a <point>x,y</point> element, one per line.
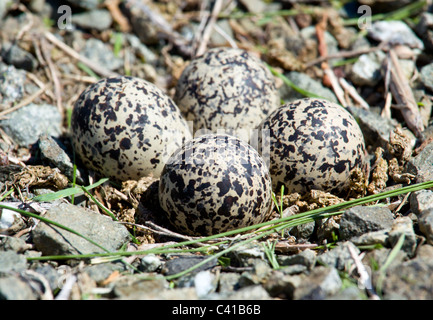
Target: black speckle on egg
<point>204,195</point>
<point>312,144</point>
<point>228,89</point>
<point>113,121</point>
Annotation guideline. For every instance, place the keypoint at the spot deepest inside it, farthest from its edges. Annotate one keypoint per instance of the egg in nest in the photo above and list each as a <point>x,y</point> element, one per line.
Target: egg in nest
<point>311,144</point>
<point>126,128</point>
<point>226,89</point>
<point>213,184</point>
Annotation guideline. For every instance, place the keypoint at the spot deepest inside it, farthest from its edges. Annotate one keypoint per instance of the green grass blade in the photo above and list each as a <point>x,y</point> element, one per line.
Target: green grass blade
<point>66,192</point>
<point>290,84</point>
<point>43,219</point>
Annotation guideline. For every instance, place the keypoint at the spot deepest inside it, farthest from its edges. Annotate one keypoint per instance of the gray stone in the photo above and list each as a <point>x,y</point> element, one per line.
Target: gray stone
<point>425,221</point>
<point>425,252</point>
<point>101,54</point>
<point>366,71</point>
<point>19,58</point>
<point>184,262</point>
<point>375,259</point>
<point>142,25</point>
<point>304,230</point>
<point>13,288</point>
<point>130,287</point>
<point>228,282</point>
<point>420,201</point>
<point>321,283</point>
<point>306,258</point>
<point>54,154</point>
<point>260,271</point>
<point>246,255</point>
<point>205,283</point>
<point>26,124</point>
<point>254,292</point>
<point>99,19</point>
<point>338,257</point>
<point>395,32</point>
<point>371,238</point>
<point>150,263</point>
<point>427,76</point>
<point>424,28</point>
<point>376,129</point>
<point>12,261</point>
<point>141,50</point>
<point>422,165</point>
<point>11,84</point>
<point>8,218</point>
<point>100,272</point>
<point>304,82</point>
<point>362,219</point>
<point>283,286</point>
<point>293,269</point>
<point>403,226</point>
<point>52,240</point>
<point>14,244</point>
<point>410,280</point>
<point>50,274</point>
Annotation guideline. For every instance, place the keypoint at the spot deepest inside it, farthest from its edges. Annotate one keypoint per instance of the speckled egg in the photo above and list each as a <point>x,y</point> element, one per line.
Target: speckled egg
<point>311,144</point>
<point>213,184</point>
<point>228,89</point>
<point>126,128</point>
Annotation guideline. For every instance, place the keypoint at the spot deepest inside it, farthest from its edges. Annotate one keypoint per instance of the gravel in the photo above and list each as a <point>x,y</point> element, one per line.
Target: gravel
<point>26,124</point>
<point>52,240</point>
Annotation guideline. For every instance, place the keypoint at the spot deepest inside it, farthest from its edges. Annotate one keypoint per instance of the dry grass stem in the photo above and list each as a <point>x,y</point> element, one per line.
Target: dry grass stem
<point>74,54</point>
<point>403,95</point>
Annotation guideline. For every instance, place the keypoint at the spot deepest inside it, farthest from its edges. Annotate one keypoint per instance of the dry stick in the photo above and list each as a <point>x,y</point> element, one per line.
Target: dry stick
<point>54,73</point>
<point>160,230</point>
<point>403,95</point>
<point>113,7</point>
<point>209,27</point>
<point>330,77</point>
<point>25,101</point>
<point>344,54</point>
<point>364,277</point>
<point>336,86</point>
<point>92,65</point>
<point>158,20</point>
<point>353,93</point>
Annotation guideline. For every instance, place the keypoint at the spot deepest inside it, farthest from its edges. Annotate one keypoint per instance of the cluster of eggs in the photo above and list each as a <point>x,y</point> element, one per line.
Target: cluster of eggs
<point>127,128</point>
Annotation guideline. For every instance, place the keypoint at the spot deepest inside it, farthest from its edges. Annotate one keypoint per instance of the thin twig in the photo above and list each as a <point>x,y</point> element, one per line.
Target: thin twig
<point>209,27</point>
<point>24,102</point>
<point>67,288</point>
<point>336,86</point>
<point>344,54</point>
<point>353,93</point>
<point>164,27</point>
<point>403,94</point>
<point>113,7</point>
<point>54,73</point>
<point>74,54</point>
<point>364,277</point>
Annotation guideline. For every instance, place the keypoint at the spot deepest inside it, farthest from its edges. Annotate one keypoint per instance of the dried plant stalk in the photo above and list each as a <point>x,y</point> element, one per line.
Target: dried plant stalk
<point>403,95</point>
